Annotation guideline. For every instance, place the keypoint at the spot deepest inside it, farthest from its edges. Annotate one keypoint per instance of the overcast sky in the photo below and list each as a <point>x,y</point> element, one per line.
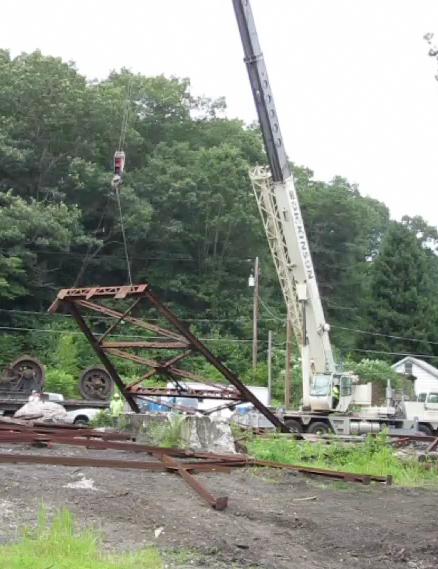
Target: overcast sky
<point>354,87</point>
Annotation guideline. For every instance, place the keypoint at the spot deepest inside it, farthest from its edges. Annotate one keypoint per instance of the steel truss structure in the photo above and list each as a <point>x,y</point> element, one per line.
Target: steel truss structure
<point>180,338</point>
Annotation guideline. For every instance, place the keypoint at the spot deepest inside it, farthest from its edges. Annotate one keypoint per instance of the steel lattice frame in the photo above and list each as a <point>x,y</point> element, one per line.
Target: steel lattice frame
<point>75,300</point>
<point>271,217</point>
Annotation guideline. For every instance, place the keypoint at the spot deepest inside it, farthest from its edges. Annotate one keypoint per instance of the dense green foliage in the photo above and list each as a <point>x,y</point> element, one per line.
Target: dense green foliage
<point>192,225</point>
<point>402,299</point>
<point>375,456</point>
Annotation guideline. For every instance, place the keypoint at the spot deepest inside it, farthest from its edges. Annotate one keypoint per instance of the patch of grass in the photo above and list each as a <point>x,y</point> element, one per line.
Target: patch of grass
<point>183,556</point>
<point>374,457</point>
<point>102,419</point>
<point>60,547</point>
<point>168,433</point>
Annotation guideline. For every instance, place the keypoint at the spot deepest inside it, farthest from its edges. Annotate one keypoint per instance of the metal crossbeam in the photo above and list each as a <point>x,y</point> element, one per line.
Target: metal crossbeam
<point>186,393</point>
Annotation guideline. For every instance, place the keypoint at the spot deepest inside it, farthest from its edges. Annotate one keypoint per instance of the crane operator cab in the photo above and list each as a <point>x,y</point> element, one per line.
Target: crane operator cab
<point>332,392</point>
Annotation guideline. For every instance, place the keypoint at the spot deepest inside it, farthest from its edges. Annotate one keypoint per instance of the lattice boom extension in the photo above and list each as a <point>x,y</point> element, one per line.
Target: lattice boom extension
<point>79,298</point>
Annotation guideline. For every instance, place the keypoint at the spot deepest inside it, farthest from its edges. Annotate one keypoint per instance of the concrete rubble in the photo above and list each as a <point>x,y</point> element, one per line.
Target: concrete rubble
<point>197,433</point>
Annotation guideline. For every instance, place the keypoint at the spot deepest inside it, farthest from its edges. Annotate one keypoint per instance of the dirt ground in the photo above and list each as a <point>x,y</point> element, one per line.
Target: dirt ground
<point>347,525</point>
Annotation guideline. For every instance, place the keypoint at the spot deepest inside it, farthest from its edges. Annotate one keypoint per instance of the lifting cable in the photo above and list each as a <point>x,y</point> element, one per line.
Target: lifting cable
<point>119,165</point>
<point>128,264</point>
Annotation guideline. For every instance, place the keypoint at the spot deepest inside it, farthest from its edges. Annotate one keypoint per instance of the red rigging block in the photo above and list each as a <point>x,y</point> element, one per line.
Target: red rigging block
<point>119,162</point>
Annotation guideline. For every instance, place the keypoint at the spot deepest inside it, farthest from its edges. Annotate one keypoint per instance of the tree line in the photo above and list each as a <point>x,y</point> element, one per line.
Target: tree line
<point>191,220</point>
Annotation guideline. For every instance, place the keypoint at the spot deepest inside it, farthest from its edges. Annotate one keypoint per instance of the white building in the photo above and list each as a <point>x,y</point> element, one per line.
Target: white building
<point>424,375</point>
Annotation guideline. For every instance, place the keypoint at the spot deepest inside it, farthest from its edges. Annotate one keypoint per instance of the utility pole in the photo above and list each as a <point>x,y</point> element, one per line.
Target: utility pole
<point>269,367</point>
<point>287,370</point>
<point>253,281</point>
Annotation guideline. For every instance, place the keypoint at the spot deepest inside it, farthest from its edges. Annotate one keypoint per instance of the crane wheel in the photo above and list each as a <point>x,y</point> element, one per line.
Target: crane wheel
<point>318,428</point>
<point>293,426</point>
<point>425,430</point>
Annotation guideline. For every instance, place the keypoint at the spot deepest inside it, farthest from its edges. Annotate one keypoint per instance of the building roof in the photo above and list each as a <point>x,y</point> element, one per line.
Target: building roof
<point>420,363</point>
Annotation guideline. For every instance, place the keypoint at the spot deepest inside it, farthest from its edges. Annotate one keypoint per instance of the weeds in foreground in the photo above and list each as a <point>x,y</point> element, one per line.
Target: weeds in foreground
<point>102,419</point>
<point>168,433</point>
<point>374,456</point>
<point>60,547</point>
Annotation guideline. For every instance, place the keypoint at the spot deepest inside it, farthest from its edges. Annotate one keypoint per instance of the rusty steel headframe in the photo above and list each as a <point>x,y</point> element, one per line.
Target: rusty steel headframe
<point>180,338</point>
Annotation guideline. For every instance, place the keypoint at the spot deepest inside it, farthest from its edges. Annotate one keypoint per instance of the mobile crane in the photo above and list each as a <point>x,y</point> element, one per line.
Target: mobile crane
<point>281,215</point>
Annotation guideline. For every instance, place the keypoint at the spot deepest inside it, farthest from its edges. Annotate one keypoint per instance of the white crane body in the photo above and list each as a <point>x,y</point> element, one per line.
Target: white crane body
<point>281,214</point>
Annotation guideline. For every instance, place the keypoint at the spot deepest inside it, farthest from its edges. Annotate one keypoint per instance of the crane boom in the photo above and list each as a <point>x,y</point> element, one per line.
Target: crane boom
<point>281,214</point>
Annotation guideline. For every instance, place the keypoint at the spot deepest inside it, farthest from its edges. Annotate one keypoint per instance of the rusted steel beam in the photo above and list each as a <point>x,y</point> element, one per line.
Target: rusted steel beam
<point>108,463</point>
<point>101,355</point>
<point>172,464</point>
<point>79,461</point>
<point>201,348</point>
<point>189,393</point>
<point>113,326</point>
<point>432,445</point>
<point>164,365</point>
<point>209,458</point>
<point>220,407</point>
<point>147,375</point>
<point>133,358</point>
<point>91,443</point>
<point>118,292</point>
<point>364,478</point>
<point>134,321</point>
<point>151,345</point>
<point>222,392</point>
<point>419,438</point>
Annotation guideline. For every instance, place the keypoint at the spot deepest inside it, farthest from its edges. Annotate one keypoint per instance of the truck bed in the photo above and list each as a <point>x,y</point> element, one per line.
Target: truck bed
<point>9,405</point>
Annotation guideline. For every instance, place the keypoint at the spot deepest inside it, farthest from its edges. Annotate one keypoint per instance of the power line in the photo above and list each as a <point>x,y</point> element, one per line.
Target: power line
<point>174,257</point>
<point>49,331</point>
<point>237,319</point>
<point>394,353</point>
<point>385,335</point>
<point>45,314</point>
<point>269,312</point>
<point>168,257</point>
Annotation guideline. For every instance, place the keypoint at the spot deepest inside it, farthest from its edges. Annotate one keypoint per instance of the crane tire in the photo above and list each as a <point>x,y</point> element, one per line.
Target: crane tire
<point>318,428</point>
<point>294,426</point>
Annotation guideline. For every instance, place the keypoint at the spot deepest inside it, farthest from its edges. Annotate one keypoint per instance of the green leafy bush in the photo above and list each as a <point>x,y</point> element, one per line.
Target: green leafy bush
<point>59,381</point>
<point>102,419</point>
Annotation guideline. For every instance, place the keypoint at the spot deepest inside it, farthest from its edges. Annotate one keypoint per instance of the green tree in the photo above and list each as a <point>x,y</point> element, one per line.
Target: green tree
<point>344,231</point>
<point>400,303</point>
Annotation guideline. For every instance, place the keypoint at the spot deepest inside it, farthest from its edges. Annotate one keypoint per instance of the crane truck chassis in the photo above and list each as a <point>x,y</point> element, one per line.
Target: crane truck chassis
<point>397,415</point>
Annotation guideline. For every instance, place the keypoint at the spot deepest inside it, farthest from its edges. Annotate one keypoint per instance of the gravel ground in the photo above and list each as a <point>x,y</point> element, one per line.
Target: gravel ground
<point>265,525</point>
